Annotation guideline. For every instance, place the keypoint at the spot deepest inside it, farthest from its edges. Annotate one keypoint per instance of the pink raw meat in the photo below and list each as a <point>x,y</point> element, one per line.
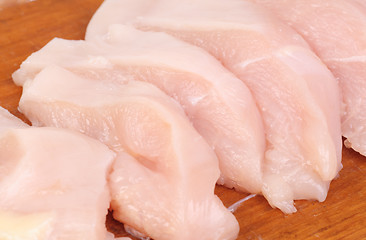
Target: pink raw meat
<point>219,105</point>
<point>335,29</point>
<point>53,183</point>
<point>164,176</point>
<point>296,94</point>
<point>8,120</point>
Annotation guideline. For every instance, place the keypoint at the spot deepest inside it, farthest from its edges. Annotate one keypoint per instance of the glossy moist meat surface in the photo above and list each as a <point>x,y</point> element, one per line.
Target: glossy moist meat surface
<point>335,31</point>
<point>300,108</point>
<point>164,176</point>
<point>218,104</point>
<point>27,27</point>
<point>42,194</point>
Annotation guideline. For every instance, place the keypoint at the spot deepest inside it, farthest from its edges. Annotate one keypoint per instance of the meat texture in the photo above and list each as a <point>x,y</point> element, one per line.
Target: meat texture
<point>219,105</point>
<point>110,236</point>
<point>43,195</point>
<point>335,31</point>
<point>297,96</point>
<point>163,180</point>
<point>9,121</point>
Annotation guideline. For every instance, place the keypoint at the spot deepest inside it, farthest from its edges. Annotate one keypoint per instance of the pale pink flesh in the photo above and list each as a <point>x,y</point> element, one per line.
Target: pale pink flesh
<point>163,185</point>
<point>9,121</point>
<point>59,174</point>
<point>110,236</point>
<point>219,105</point>
<point>335,31</point>
<point>300,109</point>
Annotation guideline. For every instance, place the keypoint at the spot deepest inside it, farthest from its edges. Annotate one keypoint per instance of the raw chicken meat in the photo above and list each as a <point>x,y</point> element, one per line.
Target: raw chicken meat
<point>164,176</point>
<point>52,184</point>
<point>219,105</point>
<point>8,120</point>
<point>335,31</point>
<point>110,236</point>
<point>296,94</point>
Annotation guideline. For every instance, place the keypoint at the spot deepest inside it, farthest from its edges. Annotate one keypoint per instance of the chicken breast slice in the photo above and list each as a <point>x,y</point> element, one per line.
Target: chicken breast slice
<point>53,185</point>
<point>296,94</point>
<point>163,184</point>
<point>219,105</point>
<point>110,236</point>
<point>335,31</point>
<point>9,121</point>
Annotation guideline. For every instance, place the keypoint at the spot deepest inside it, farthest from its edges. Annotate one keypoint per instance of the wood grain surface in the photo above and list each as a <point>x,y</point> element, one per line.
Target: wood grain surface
<point>26,26</point>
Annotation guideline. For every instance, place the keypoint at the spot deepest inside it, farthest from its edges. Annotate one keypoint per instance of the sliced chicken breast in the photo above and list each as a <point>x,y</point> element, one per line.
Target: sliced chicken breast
<point>219,105</point>
<point>8,121</point>
<point>335,31</point>
<point>296,94</point>
<point>53,185</point>
<point>110,236</point>
<point>163,179</point>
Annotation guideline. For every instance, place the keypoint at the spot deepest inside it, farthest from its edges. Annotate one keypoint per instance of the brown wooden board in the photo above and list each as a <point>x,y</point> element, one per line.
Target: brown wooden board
<point>26,26</point>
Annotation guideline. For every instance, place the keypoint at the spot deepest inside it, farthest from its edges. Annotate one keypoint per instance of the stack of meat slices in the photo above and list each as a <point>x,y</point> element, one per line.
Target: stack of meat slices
<point>53,183</point>
<point>188,94</point>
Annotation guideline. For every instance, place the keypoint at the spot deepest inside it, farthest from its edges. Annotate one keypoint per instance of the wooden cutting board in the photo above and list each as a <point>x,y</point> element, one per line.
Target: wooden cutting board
<point>26,26</point>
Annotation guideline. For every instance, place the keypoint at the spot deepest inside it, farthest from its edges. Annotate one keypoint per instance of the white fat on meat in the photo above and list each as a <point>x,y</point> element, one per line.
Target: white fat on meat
<point>296,94</point>
<point>53,184</point>
<point>163,179</point>
<point>219,105</point>
<point>335,29</point>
